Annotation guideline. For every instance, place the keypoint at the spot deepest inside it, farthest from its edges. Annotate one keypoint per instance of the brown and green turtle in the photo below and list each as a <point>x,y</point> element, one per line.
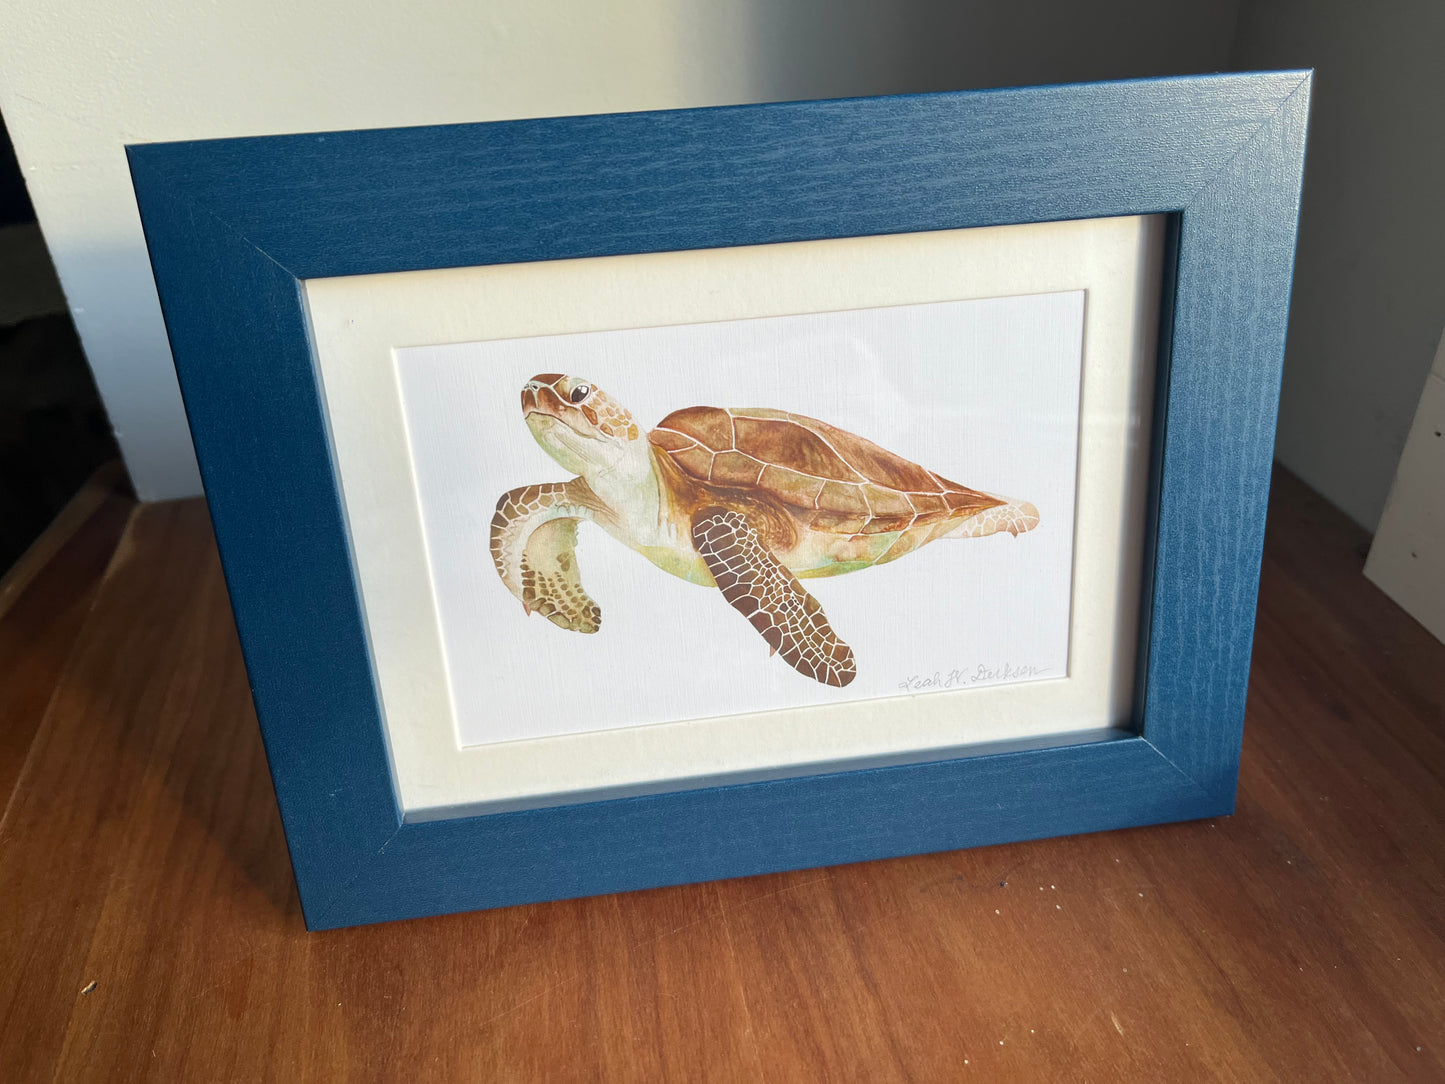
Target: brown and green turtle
<point>745,500</point>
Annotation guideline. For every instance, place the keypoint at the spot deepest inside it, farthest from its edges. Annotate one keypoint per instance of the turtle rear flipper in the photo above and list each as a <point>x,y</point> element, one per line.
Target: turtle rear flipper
<point>760,588</point>
<point>1015,517</point>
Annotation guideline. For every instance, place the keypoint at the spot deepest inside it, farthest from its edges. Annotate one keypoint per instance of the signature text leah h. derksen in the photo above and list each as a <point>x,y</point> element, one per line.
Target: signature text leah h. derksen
<point>961,677</point>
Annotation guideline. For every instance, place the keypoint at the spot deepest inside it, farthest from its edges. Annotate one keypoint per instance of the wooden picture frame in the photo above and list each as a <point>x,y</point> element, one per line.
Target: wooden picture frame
<point>236,226</point>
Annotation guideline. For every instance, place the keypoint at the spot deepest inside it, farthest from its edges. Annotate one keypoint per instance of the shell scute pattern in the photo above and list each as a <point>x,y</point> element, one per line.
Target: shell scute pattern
<point>852,485</point>
<point>788,444</point>
<point>840,522</point>
<point>695,461</point>
<point>708,426</point>
<point>669,440</point>
<point>886,502</point>
<point>798,490</point>
<point>928,504</point>
<point>735,469</point>
<point>842,499</point>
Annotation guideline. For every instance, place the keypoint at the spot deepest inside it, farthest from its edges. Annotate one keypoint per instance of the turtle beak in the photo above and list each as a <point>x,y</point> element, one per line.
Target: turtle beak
<point>540,398</point>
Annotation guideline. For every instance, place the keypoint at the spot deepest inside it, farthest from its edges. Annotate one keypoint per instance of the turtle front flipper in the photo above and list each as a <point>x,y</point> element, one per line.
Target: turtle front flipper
<point>551,585</point>
<point>534,543</point>
<point>760,588</point>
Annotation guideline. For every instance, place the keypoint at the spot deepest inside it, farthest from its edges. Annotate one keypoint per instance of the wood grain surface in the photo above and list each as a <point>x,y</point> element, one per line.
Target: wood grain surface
<point>149,927</point>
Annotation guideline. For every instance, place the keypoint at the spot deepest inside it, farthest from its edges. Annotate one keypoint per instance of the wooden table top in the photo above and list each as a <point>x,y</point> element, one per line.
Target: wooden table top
<point>149,926</point>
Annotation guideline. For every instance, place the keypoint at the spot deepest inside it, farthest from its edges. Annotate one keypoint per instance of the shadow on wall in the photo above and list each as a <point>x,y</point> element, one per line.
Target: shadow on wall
<point>1369,286</point>
<point>833,48</point>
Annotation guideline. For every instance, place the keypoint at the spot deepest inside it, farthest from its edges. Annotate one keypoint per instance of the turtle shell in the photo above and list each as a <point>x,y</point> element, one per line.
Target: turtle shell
<point>828,477</point>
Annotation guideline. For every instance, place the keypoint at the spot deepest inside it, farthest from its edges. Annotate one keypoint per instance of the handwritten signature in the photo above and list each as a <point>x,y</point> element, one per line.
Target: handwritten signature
<point>960,678</point>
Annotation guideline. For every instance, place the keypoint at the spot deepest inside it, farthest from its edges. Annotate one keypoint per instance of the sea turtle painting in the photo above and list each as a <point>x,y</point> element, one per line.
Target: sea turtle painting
<point>749,501</point>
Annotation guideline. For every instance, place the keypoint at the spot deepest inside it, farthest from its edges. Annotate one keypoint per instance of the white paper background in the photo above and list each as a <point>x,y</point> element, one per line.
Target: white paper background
<point>985,392</point>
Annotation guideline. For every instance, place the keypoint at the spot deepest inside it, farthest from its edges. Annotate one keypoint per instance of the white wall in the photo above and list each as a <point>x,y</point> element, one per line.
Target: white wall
<point>1407,558</point>
<point>1369,287</point>
<point>80,78</point>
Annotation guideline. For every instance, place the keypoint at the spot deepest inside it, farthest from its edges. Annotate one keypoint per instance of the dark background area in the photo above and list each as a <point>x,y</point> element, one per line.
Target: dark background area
<point>14,200</point>
<point>53,430</point>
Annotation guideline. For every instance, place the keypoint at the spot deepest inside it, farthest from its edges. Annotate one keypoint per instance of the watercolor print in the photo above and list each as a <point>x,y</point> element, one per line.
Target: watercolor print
<point>659,524</point>
<point>749,500</point>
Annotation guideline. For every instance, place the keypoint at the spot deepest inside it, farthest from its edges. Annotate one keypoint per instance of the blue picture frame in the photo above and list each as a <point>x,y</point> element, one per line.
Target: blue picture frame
<point>235,225</point>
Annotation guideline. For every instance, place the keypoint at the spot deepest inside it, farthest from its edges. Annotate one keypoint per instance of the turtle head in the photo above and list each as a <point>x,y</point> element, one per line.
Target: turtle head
<point>578,424</point>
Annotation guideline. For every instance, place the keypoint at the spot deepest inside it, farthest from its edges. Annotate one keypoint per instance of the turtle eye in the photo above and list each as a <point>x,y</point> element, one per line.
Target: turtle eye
<point>580,392</point>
